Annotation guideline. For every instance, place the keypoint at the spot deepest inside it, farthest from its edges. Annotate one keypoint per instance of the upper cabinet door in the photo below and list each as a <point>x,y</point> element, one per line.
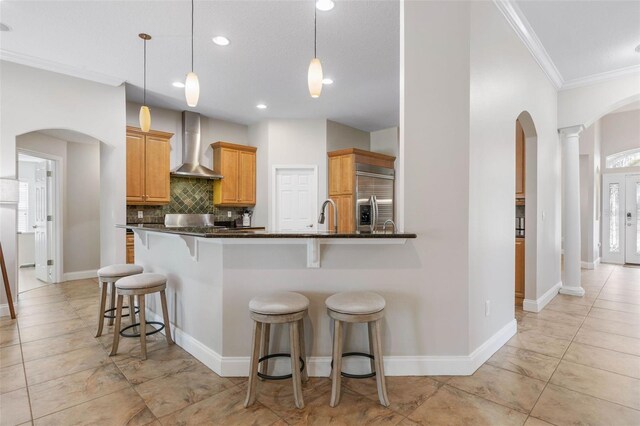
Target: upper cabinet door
<point>520,161</point>
<point>230,168</point>
<point>247,181</point>
<point>157,170</point>
<point>135,168</point>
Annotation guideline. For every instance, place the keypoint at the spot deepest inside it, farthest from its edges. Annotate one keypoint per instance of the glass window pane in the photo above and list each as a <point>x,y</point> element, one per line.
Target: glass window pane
<point>629,158</point>
<point>614,217</point>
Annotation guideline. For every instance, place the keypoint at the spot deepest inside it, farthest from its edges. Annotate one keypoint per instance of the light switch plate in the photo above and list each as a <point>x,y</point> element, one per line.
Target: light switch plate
<point>140,214</point>
<point>228,214</point>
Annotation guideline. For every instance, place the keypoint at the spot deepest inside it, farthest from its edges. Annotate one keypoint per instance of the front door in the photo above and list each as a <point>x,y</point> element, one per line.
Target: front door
<point>632,219</point>
<point>296,199</point>
<point>40,226</point>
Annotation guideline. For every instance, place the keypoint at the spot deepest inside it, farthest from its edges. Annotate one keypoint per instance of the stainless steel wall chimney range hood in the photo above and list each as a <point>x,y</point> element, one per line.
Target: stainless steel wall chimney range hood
<point>191,166</point>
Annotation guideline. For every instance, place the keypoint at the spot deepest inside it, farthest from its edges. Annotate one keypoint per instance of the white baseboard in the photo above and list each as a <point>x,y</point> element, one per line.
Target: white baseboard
<point>461,365</point>
<point>80,275</point>
<point>539,304</point>
<point>590,265</point>
<point>572,291</point>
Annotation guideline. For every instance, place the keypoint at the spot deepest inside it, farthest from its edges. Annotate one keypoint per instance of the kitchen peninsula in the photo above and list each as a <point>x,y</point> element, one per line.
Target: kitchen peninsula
<point>213,273</point>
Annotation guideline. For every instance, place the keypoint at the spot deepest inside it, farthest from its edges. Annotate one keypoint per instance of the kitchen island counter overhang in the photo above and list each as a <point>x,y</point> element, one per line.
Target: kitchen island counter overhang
<point>211,281</point>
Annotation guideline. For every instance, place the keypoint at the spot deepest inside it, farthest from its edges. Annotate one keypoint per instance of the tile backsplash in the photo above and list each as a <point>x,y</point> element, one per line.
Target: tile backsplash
<point>188,195</point>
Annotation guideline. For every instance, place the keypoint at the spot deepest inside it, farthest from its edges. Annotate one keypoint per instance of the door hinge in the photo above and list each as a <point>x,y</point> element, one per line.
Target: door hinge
<point>50,262</point>
<point>49,218</point>
<point>49,173</point>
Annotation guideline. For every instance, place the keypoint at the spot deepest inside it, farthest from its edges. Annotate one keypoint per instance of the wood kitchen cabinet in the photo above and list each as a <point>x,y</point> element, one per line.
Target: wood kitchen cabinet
<point>130,249</point>
<point>520,162</point>
<point>342,178</point>
<point>148,167</point>
<point>519,289</point>
<point>237,165</point>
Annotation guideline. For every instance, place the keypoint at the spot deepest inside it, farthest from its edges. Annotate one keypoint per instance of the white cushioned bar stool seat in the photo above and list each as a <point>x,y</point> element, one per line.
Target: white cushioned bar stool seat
<point>145,280</point>
<point>107,276</point>
<point>357,307</point>
<point>121,270</point>
<point>283,307</point>
<point>356,302</point>
<point>280,303</point>
<point>139,286</point>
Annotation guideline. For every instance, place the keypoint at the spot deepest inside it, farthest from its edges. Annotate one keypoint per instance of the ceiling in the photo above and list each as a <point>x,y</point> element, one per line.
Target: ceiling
<point>266,62</point>
<point>586,38</point>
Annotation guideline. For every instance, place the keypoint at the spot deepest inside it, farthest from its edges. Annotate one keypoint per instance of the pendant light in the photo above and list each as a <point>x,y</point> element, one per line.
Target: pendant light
<point>145,114</point>
<point>192,85</point>
<point>314,76</point>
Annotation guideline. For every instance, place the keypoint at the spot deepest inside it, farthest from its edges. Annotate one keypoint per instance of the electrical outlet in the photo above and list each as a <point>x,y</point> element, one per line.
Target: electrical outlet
<point>487,308</point>
<point>140,214</point>
<point>228,214</point>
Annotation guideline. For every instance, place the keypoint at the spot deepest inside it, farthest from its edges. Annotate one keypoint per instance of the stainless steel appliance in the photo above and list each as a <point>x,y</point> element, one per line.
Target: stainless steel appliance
<point>374,197</point>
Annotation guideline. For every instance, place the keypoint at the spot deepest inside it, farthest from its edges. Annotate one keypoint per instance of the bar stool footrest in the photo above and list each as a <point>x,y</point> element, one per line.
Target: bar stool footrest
<point>283,377</point>
<point>156,330</point>
<point>357,376</point>
<point>112,316</point>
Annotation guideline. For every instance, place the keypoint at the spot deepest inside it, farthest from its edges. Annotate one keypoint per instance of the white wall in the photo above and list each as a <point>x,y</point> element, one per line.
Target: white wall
<point>259,137</point>
<point>212,130</point>
<point>385,141</point>
<point>619,132</point>
<point>590,142</point>
<point>32,99</point>
<point>340,136</point>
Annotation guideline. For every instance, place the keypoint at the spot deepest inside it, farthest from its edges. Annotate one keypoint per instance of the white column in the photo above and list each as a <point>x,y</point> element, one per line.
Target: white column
<point>569,140</point>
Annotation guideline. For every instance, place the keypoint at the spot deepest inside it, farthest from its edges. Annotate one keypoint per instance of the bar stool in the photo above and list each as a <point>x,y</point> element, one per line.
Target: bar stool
<point>357,307</point>
<point>140,285</point>
<point>278,308</point>
<point>107,276</point>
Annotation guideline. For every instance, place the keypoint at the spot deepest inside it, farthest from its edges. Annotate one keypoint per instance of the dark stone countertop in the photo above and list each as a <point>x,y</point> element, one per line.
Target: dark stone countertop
<point>255,232</point>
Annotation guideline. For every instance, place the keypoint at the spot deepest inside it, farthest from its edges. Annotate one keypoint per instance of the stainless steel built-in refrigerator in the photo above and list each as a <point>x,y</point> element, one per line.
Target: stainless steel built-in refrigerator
<point>374,197</point>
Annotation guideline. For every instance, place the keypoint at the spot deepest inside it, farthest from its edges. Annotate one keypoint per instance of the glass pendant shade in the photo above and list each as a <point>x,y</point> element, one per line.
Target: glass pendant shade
<point>314,78</point>
<point>192,89</point>
<point>145,118</point>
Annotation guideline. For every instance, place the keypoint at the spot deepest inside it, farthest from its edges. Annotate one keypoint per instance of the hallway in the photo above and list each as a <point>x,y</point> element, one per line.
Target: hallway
<point>577,361</point>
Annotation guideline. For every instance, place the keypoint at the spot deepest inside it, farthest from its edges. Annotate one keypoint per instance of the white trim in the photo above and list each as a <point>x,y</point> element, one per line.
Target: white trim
<point>537,305</point>
<point>461,365</point>
<point>45,64</point>
<point>525,32</point>
<point>80,275</point>
<point>590,265</point>
<point>599,78</point>
<point>274,187</point>
<point>572,291</point>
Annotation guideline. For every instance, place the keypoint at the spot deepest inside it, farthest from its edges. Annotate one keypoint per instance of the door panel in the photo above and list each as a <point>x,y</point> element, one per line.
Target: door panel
<point>247,178</point>
<point>632,219</point>
<point>135,168</point>
<point>296,195</point>
<point>613,207</point>
<point>156,175</point>
<point>229,167</point>
<point>519,287</point>
<point>40,227</point>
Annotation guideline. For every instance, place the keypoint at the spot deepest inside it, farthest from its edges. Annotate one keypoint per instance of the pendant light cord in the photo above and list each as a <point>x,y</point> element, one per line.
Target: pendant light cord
<point>144,92</point>
<point>191,35</point>
<point>315,32</point>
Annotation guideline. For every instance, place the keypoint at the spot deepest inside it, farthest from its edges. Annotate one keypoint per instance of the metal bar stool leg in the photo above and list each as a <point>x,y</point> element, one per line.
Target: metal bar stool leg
<point>294,338</point>
<point>143,327</point>
<point>253,367</point>
<point>377,353</point>
<point>336,372</point>
<point>165,316</point>
<point>103,302</point>
<point>303,351</point>
<point>264,348</point>
<point>116,331</point>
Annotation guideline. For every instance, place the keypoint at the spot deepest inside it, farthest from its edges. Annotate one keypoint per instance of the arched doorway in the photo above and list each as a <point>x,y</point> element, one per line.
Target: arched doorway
<point>526,165</point>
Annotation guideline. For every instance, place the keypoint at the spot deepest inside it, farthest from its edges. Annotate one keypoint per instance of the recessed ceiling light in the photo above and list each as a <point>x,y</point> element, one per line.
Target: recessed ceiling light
<point>178,84</point>
<point>261,106</point>
<point>327,81</point>
<point>220,40</point>
<point>324,5</point>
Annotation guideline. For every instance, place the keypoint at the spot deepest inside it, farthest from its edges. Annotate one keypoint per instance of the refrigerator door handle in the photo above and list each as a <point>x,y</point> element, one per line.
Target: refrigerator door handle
<point>374,211</point>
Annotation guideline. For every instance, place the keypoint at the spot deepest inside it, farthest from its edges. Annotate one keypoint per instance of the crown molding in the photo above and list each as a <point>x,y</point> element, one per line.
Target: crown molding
<point>598,78</point>
<point>57,67</point>
<point>523,29</point>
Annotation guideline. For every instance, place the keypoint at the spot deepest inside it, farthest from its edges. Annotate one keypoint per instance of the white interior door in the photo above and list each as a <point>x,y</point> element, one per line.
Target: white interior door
<point>41,226</point>
<point>632,219</point>
<point>613,208</point>
<point>296,195</point>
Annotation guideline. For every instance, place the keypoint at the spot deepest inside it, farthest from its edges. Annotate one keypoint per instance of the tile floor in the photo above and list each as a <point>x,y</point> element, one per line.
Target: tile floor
<point>577,362</point>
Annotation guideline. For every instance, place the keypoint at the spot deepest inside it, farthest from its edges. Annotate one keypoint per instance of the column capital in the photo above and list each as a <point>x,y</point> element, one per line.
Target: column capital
<point>571,131</point>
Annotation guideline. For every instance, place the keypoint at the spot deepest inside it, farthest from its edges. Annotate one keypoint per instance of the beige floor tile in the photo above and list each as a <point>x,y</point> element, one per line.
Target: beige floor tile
<point>223,408</point>
<point>613,327</point>
<point>26,311</point>
<point>86,301</point>
<point>532,421</point>
<point>118,408</point>
<point>167,394</point>
<point>604,359</point>
<point>278,395</point>
<point>452,407</point>
<point>48,318</point>
<point>541,343</point>
<point>601,384</point>
<point>45,291</point>
<point>8,322</point>
<point>14,407</point>
<point>501,386</point>
<point>569,308</point>
<point>10,355</point>
<point>159,363</point>
<point>617,306</point>
<point>616,296</point>
<point>43,331</point>
<point>42,300</point>
<point>12,378</point>
<point>558,317</point>
<point>68,391</point>
<point>610,341</point>
<point>548,328</point>
<point>43,348</point>
<point>608,314</point>
<point>528,363</point>
<point>9,336</point>
<point>562,406</point>
<point>53,367</point>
